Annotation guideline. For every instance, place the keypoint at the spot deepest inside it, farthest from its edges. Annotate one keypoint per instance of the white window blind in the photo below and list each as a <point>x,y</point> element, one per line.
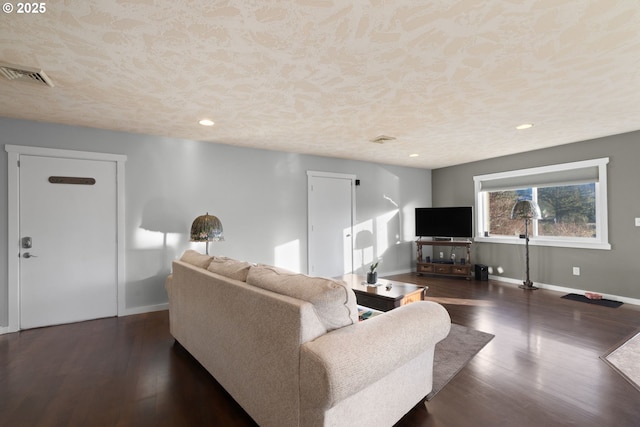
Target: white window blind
<point>545,176</point>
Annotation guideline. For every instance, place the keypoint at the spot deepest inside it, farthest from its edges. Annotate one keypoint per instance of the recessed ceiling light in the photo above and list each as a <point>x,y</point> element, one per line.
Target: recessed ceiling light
<point>524,126</point>
<point>414,155</point>
<point>206,122</point>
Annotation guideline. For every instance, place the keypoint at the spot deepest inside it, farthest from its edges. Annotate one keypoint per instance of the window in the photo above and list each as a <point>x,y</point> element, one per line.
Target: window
<point>571,196</point>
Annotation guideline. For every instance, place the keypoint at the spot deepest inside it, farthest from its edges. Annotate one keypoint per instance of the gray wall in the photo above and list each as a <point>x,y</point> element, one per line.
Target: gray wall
<point>260,197</point>
<point>615,271</point>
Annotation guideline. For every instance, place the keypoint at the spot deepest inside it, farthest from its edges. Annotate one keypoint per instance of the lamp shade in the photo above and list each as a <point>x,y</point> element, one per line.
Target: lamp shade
<point>526,209</point>
<point>206,228</point>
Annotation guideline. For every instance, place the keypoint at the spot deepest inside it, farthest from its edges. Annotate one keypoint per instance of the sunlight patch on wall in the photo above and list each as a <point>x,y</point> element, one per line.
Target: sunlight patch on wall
<point>146,239</point>
<point>386,231</point>
<point>363,253</point>
<point>374,237</point>
<point>287,256</point>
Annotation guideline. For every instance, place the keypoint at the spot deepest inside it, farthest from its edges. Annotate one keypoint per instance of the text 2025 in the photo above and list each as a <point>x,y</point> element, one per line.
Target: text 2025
<point>31,7</point>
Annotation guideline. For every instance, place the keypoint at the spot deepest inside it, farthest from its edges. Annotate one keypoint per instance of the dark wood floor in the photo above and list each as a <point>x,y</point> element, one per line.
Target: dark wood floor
<point>541,369</point>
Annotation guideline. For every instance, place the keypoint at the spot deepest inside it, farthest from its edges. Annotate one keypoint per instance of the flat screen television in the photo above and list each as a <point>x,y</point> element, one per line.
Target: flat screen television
<point>456,221</point>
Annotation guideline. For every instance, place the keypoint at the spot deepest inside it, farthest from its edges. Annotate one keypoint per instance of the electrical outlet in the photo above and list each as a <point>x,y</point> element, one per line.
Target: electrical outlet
<point>576,271</point>
<point>441,255</point>
<point>637,222</point>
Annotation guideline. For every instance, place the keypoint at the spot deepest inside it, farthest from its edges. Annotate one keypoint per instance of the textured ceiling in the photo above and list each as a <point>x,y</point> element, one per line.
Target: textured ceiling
<point>450,80</point>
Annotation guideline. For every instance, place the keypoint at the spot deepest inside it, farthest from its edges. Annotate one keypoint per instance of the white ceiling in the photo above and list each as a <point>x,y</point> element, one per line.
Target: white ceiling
<point>450,80</point>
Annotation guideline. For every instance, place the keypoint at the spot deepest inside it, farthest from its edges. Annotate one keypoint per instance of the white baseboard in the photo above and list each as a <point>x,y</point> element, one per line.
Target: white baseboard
<point>625,300</point>
<point>165,306</point>
<point>7,330</point>
<point>144,309</point>
<point>127,312</point>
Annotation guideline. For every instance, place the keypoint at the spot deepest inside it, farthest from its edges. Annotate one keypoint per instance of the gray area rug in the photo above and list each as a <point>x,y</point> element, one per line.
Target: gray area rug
<point>454,352</point>
<point>625,359</point>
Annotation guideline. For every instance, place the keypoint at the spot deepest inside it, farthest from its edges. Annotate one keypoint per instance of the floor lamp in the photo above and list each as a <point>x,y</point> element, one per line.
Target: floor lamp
<point>527,210</point>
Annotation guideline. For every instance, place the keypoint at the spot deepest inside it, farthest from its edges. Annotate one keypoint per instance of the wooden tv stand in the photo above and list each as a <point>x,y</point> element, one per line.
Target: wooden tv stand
<point>442,267</point>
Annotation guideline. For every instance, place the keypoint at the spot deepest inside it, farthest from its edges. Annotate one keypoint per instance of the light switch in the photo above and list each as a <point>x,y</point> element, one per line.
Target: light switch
<point>637,222</point>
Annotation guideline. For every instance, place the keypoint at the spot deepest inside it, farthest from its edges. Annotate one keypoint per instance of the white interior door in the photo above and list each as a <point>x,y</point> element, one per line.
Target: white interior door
<point>331,208</point>
<point>68,238</point>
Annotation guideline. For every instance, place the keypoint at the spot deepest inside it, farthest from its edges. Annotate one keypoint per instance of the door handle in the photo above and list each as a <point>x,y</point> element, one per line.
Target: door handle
<point>28,255</point>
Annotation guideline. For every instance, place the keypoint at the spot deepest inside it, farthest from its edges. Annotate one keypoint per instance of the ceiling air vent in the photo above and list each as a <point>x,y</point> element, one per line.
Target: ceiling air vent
<point>24,74</point>
<point>382,139</point>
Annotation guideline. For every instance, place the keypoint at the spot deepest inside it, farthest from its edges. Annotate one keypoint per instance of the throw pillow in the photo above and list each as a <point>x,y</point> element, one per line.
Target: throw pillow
<point>230,268</point>
<point>333,301</point>
<point>196,258</point>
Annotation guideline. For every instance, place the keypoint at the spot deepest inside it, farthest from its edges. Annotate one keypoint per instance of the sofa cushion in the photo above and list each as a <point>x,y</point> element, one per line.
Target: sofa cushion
<point>230,268</point>
<point>333,301</point>
<point>196,258</point>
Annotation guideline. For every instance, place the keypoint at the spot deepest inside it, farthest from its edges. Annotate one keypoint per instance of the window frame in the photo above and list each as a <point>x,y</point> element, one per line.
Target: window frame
<point>601,241</point>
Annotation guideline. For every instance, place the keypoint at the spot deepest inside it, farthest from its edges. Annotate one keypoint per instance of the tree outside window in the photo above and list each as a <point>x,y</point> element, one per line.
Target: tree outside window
<point>567,211</point>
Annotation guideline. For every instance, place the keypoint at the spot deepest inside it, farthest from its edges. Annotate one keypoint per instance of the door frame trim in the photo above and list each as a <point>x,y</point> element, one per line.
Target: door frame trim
<point>13,233</point>
<point>320,174</point>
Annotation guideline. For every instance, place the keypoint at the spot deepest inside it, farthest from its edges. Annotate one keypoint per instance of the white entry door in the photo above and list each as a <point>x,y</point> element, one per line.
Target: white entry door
<point>68,240</point>
<point>331,212</point>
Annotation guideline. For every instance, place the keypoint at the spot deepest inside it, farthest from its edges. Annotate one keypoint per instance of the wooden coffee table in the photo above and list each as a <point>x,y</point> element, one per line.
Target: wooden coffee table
<point>389,294</point>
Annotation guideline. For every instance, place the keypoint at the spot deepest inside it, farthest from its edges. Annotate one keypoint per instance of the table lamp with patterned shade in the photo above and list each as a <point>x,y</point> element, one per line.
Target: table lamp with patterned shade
<point>206,228</point>
<point>527,210</point>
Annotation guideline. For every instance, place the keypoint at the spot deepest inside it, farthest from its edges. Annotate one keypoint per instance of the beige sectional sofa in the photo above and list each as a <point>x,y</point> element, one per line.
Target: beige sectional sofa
<point>290,350</point>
